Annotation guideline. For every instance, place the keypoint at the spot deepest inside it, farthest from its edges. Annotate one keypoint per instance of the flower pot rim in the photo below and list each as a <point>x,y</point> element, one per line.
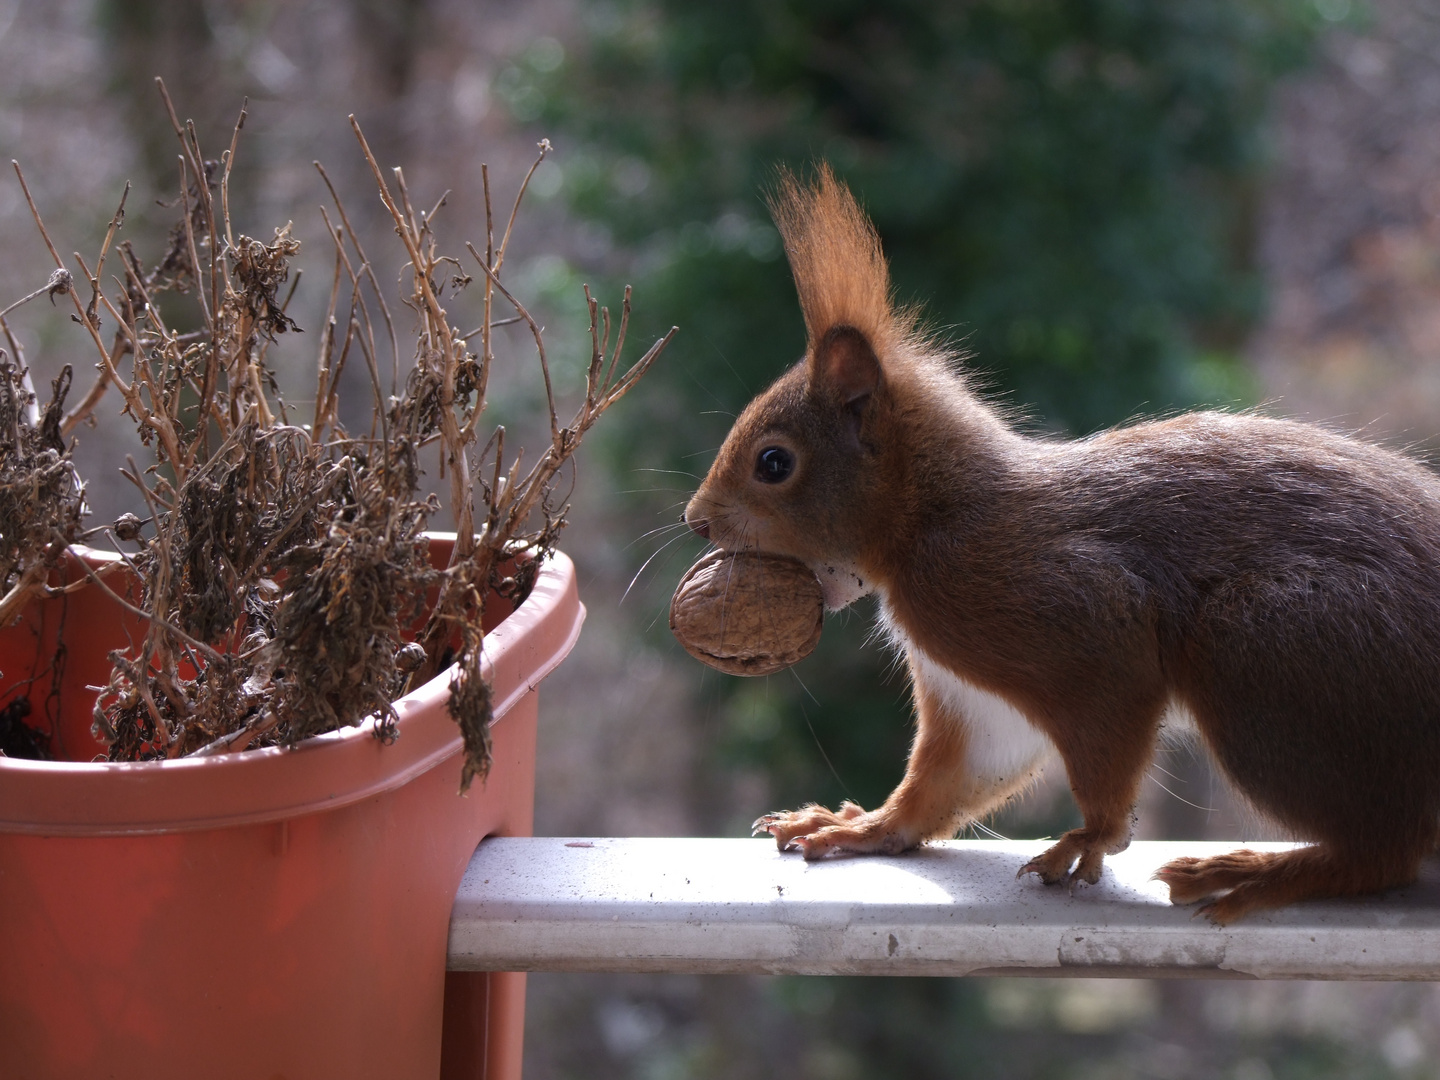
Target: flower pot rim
<point>62,798</point>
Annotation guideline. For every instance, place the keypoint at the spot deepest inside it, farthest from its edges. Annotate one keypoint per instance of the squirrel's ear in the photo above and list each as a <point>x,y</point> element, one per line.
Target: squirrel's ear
<point>844,363</point>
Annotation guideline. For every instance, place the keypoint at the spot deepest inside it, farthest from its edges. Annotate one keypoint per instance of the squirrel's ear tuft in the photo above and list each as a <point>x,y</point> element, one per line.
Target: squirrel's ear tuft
<point>835,258</point>
<point>843,364</point>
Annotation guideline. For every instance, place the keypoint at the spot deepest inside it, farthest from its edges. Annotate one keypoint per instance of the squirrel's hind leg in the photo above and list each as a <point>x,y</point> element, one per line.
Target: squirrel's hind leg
<point>1257,880</point>
<point>1105,781</point>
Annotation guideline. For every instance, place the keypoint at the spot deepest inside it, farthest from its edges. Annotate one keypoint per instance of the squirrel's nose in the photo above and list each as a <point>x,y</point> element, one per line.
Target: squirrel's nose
<point>700,528</point>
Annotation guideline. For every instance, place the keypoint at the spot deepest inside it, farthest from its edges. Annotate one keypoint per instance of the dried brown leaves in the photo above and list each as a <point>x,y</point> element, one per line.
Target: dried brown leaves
<point>41,497</point>
<point>445,399</point>
<point>279,564</point>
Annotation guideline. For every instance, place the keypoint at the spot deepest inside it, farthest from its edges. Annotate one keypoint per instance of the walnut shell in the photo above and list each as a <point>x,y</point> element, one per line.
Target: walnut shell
<point>748,614</point>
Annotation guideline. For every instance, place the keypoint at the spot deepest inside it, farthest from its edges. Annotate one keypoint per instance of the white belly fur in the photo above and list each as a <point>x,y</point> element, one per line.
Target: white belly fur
<point>1002,744</point>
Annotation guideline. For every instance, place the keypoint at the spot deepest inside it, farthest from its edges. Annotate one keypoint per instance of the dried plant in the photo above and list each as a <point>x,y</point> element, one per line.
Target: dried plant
<point>41,498</point>
<point>280,559</point>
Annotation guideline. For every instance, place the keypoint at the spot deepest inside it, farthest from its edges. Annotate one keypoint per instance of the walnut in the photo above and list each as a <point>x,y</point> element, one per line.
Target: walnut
<point>748,614</point>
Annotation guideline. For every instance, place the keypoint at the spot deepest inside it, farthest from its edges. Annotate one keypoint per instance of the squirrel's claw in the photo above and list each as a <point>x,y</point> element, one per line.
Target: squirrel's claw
<point>807,848</point>
<point>775,824</point>
<point>1076,859</point>
<point>764,823</point>
<point>1043,868</point>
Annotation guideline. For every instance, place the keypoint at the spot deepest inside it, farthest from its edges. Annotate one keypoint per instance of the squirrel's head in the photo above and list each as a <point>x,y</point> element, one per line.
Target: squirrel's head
<point>806,469</point>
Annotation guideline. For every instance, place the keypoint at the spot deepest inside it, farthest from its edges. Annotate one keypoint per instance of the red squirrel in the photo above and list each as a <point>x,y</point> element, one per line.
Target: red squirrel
<point>1269,584</point>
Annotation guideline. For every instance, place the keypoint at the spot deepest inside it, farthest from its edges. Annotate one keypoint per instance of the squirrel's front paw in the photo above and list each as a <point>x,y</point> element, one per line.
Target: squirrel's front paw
<point>816,831</point>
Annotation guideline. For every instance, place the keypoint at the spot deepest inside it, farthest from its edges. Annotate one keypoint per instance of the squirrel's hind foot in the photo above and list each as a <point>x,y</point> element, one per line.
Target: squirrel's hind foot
<point>1257,880</point>
<point>1078,856</point>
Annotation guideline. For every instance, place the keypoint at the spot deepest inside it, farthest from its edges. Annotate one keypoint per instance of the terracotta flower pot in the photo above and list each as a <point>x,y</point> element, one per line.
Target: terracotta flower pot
<point>273,913</point>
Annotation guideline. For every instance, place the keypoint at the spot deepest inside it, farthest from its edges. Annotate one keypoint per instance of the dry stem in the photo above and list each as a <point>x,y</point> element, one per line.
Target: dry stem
<point>280,576</point>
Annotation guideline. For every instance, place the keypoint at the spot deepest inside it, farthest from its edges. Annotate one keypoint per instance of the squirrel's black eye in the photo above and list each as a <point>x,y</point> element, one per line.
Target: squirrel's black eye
<point>774,464</point>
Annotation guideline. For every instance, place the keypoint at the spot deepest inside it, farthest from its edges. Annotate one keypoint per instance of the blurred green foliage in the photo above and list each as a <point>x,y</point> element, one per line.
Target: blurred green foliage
<point>1067,186</point>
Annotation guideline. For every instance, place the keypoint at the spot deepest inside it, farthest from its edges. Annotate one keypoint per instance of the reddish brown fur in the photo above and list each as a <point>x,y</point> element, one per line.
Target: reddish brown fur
<point>1280,582</point>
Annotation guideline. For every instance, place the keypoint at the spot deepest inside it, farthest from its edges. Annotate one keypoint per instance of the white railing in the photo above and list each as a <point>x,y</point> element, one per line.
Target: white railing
<point>710,906</point>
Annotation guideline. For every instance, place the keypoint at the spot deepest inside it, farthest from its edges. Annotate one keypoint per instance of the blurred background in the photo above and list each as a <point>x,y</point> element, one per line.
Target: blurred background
<point>1119,207</point>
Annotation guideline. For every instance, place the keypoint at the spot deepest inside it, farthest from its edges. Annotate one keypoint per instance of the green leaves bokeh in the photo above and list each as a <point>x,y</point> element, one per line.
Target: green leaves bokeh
<point>1068,188</point>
